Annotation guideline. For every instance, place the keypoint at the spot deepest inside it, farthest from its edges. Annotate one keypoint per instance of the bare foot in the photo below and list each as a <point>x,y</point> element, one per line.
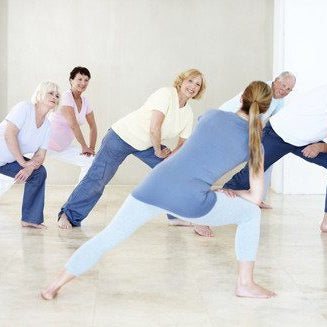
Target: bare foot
<point>49,294</point>
<point>179,222</point>
<point>264,205</point>
<point>204,231</point>
<point>323,226</point>
<point>31,225</point>
<point>253,290</point>
<point>64,223</point>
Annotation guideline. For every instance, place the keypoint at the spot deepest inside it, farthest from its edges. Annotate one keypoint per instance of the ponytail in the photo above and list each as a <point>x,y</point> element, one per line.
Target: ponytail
<point>255,132</point>
<point>255,101</point>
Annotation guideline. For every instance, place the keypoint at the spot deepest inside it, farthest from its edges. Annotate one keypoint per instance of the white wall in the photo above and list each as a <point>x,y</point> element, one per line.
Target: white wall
<point>133,47</point>
<point>299,45</point>
<point>3,55</point>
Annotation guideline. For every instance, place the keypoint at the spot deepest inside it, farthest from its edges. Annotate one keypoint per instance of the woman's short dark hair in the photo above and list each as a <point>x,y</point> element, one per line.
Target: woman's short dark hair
<point>81,70</point>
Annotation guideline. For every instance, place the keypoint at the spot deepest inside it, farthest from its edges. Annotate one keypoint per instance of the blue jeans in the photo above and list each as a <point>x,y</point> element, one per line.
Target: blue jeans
<point>87,193</point>
<point>33,199</point>
<point>275,148</point>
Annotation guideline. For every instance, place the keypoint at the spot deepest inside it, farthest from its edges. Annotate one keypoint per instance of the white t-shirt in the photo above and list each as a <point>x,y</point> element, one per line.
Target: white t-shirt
<point>30,138</point>
<point>134,128</point>
<point>304,119</point>
<point>234,105</point>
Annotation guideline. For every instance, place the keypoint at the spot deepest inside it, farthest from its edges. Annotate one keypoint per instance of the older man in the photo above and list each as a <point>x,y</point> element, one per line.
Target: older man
<point>281,87</point>
<point>298,129</point>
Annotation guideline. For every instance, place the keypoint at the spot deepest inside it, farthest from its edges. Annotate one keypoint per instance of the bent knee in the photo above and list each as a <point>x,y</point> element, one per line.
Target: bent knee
<point>41,172</point>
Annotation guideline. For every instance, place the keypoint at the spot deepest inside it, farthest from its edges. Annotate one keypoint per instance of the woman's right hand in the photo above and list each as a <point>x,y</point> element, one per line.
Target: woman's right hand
<point>23,174</point>
<point>86,151</point>
<point>227,191</point>
<point>163,153</point>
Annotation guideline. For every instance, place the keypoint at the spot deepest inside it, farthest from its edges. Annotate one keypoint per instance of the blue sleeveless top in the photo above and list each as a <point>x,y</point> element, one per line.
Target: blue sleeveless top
<point>182,183</point>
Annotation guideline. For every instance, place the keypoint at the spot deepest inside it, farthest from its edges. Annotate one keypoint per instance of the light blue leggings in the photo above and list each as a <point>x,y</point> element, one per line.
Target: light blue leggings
<point>134,213</point>
<point>267,182</point>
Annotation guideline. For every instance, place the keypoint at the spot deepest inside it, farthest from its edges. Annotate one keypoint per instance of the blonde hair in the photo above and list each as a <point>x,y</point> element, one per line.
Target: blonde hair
<point>42,89</point>
<point>256,100</point>
<point>187,74</point>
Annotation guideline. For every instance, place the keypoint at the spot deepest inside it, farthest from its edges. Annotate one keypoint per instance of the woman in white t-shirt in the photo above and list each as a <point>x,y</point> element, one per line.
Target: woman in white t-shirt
<point>65,124</point>
<point>26,129</point>
<point>166,114</point>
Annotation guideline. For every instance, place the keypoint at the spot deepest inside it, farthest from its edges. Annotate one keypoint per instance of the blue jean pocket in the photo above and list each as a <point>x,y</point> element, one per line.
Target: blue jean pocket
<point>97,171</point>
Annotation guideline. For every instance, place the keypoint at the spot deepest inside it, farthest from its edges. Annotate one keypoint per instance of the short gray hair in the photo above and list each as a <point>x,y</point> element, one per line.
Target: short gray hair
<point>42,89</point>
<point>286,74</point>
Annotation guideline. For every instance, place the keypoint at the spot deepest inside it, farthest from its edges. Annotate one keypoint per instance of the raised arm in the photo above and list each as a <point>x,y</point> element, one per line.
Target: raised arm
<point>157,119</point>
<point>93,130</point>
<point>69,114</point>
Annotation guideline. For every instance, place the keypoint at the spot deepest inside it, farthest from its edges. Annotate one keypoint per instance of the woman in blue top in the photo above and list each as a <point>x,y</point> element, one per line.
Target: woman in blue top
<point>182,186</point>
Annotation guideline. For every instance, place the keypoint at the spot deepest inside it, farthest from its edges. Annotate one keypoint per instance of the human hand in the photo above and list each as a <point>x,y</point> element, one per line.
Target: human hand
<point>93,150</point>
<point>30,163</point>
<point>163,153</point>
<point>23,174</point>
<point>86,151</point>
<point>227,191</point>
<point>312,150</point>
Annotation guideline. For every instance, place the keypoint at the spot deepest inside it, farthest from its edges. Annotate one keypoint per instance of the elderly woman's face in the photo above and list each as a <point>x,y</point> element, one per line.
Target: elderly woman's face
<point>51,99</point>
<point>79,83</point>
<point>191,86</point>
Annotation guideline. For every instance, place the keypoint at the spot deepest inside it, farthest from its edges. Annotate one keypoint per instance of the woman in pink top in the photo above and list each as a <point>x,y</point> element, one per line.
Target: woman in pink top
<point>65,124</point>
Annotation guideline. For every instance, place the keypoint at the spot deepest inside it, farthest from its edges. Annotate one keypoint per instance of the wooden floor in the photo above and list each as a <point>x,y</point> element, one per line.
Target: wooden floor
<point>163,275</point>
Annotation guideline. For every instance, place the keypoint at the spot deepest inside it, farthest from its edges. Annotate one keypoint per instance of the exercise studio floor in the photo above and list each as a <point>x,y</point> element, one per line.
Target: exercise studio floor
<point>163,275</point>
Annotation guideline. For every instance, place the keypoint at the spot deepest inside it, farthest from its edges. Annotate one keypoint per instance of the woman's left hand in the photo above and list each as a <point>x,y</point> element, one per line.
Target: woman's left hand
<point>23,174</point>
<point>86,151</point>
<point>162,153</point>
<point>227,191</point>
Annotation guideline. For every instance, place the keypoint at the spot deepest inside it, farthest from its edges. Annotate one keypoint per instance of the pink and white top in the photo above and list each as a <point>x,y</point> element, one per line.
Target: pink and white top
<point>61,133</point>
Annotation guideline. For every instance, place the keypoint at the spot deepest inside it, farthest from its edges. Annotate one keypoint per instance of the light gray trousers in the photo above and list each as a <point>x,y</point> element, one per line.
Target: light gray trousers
<point>134,213</point>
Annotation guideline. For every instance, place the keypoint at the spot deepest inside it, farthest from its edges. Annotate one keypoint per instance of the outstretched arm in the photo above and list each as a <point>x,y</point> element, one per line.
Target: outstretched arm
<point>254,194</point>
<point>69,114</point>
<point>157,119</point>
<point>93,130</point>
